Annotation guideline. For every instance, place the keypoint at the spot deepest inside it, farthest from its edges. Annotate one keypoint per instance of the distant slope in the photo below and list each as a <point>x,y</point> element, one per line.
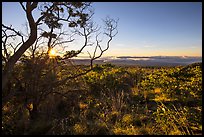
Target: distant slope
<point>143,61</point>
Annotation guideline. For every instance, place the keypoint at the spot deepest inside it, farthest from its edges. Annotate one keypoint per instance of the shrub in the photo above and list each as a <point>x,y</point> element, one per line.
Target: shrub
<point>171,121</point>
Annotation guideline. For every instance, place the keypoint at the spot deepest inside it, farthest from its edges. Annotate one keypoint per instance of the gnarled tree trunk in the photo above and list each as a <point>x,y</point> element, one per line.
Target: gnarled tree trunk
<point>33,36</point>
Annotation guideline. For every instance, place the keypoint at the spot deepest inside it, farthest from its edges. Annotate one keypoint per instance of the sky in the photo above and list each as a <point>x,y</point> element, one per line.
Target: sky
<point>144,28</point>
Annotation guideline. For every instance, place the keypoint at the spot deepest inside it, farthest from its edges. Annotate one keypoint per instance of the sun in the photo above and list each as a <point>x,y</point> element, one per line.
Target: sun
<point>52,53</point>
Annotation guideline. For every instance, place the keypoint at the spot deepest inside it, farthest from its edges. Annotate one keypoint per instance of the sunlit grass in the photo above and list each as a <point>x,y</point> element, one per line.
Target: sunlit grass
<point>121,103</point>
<point>157,90</point>
<point>172,121</point>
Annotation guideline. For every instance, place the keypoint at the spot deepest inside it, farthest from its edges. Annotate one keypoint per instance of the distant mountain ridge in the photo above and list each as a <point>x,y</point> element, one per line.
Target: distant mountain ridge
<point>142,60</point>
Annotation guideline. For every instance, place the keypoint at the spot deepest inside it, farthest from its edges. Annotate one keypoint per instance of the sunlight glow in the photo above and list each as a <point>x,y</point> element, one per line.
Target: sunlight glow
<point>52,53</point>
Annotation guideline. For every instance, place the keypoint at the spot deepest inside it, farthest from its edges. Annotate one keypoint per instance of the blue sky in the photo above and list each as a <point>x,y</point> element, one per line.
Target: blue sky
<point>144,29</point>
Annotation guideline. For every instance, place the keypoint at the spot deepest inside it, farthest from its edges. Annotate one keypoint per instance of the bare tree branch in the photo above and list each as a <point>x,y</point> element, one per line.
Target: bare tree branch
<point>23,6</point>
<point>110,31</point>
<point>18,33</point>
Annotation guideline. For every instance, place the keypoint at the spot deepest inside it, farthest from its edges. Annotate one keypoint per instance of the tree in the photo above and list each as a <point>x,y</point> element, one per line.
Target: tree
<point>51,14</point>
<point>54,15</point>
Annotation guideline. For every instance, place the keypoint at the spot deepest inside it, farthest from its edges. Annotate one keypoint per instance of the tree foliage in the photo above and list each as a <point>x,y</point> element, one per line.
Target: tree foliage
<point>47,30</point>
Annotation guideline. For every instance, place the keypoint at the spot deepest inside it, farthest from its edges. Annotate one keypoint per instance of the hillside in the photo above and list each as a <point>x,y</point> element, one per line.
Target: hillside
<point>110,100</point>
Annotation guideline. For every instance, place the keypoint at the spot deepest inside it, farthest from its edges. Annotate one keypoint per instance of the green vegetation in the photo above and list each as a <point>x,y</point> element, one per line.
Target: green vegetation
<point>109,100</point>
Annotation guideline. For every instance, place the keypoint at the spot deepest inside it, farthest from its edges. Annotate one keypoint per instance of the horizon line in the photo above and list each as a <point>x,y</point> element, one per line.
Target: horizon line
<point>147,56</point>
